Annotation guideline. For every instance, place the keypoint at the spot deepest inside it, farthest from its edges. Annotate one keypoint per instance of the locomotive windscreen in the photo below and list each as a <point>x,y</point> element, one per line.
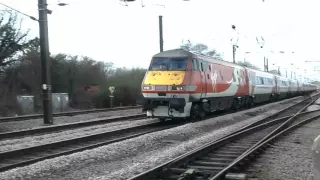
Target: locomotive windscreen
<point>165,64</point>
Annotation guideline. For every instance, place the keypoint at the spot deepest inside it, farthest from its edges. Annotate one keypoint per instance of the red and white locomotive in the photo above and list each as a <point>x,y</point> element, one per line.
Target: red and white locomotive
<point>180,84</point>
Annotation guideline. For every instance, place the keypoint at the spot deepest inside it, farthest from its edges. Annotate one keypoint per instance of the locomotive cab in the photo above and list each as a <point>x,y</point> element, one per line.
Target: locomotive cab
<point>166,85</point>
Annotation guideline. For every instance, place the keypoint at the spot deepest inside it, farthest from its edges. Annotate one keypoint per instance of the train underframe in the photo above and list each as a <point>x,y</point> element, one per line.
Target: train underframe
<point>182,107</point>
<point>185,107</point>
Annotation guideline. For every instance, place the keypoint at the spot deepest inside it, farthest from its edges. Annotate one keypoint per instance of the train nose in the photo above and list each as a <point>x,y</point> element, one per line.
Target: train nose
<point>177,103</point>
<point>164,77</point>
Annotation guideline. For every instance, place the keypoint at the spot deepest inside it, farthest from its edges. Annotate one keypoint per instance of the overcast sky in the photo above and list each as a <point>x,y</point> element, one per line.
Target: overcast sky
<point>107,30</point>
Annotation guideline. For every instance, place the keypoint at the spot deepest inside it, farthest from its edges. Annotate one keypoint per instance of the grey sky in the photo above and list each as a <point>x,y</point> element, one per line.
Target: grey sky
<point>128,35</point>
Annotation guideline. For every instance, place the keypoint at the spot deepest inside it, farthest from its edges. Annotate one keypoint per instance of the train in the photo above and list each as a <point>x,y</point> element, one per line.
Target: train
<point>185,84</point>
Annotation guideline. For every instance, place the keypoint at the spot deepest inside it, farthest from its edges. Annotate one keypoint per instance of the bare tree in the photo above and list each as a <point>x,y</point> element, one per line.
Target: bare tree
<point>12,39</point>
<point>201,48</point>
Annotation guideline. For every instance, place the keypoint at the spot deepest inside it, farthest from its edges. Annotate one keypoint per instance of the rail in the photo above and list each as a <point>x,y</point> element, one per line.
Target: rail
<point>209,160</point>
<point>68,126</point>
<point>69,113</point>
<point>28,155</point>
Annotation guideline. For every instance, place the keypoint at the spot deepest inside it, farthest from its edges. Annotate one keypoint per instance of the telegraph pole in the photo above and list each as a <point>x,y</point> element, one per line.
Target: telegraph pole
<point>160,33</point>
<point>234,53</point>
<point>45,64</point>
<point>266,64</point>
<point>234,46</point>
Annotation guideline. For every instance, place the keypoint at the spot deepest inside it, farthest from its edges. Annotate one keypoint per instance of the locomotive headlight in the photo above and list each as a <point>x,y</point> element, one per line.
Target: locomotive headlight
<point>177,88</point>
<point>147,87</point>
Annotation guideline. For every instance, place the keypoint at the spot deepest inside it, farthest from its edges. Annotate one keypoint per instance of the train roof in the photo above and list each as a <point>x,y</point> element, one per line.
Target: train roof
<point>175,53</point>
<point>259,72</point>
<point>216,61</point>
<point>282,77</point>
<point>184,53</point>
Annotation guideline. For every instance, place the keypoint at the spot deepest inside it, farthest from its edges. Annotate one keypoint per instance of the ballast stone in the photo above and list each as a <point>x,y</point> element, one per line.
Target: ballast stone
<point>317,101</point>
<point>313,108</point>
<point>316,158</point>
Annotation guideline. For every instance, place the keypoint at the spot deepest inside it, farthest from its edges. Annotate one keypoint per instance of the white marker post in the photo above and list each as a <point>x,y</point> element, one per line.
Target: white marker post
<point>111,89</point>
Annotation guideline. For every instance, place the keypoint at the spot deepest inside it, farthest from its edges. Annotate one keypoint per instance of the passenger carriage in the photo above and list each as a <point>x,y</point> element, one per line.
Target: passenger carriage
<point>262,86</point>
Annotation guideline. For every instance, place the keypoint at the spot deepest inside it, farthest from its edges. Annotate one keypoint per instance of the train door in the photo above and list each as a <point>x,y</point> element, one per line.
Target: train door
<point>250,81</point>
<point>203,79</point>
<point>277,84</point>
<point>237,79</point>
<point>244,82</point>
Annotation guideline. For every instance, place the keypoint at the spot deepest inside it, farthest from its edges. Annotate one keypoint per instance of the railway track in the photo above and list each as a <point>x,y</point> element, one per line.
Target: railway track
<point>69,113</point>
<point>70,126</point>
<point>67,126</point>
<point>24,156</point>
<point>226,157</point>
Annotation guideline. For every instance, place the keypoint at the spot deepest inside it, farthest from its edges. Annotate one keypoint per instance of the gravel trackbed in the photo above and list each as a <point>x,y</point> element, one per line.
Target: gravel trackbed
<point>127,158</point>
<point>32,123</point>
<point>289,158</point>
<point>29,141</point>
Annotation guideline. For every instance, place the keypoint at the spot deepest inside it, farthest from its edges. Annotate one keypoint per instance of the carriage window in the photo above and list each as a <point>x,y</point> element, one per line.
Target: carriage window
<point>205,66</point>
<point>201,66</point>
<point>284,83</point>
<point>195,64</point>
<point>259,80</point>
<point>164,63</point>
<point>209,67</point>
<point>252,79</point>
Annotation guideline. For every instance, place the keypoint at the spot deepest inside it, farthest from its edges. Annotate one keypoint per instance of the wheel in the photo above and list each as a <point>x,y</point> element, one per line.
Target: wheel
<point>234,105</point>
<point>197,112</point>
<point>250,103</point>
<point>270,98</point>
